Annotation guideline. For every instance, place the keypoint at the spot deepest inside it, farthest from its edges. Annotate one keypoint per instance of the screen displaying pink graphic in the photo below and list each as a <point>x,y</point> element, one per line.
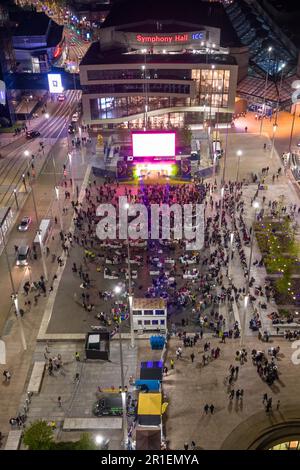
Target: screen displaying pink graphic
<point>153,144</point>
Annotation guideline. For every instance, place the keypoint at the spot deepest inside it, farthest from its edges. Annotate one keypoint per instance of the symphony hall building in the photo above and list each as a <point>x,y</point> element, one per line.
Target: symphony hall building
<point>161,66</point>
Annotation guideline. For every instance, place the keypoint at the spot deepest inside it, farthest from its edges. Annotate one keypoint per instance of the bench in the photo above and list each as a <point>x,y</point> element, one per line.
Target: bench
<point>36,377</point>
<point>92,423</point>
<point>13,440</point>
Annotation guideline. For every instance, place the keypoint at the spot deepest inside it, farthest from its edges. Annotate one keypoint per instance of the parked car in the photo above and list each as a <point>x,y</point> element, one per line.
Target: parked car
<point>22,256</point>
<point>24,224</point>
<point>32,134</point>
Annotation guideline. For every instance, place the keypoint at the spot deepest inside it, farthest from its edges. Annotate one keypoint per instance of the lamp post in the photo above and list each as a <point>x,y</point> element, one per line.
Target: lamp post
<point>43,255</point>
<point>246,298</point>
<point>239,154</point>
<point>292,128</point>
<point>24,182</point>
<point>221,207</point>
<point>123,393</point>
<point>230,254</point>
<point>130,293</point>
<point>14,295</point>
<point>71,168</point>
<point>279,92</point>
<point>145,93</point>
<point>265,90</point>
<point>273,139</point>
<point>58,206</point>
<point>15,194</point>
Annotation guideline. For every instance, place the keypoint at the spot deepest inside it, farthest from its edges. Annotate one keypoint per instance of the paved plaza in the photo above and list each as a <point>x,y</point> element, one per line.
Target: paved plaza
<point>189,386</point>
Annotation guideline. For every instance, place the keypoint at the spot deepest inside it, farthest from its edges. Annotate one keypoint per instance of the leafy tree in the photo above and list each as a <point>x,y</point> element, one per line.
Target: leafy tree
<point>39,436</point>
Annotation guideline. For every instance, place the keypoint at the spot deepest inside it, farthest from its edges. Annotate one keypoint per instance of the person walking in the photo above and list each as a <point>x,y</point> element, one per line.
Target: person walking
<point>193,445</point>
<point>186,446</point>
<point>265,398</point>
<point>212,408</point>
<point>206,408</point>
<point>192,357</point>
<point>172,363</point>
<point>278,405</point>
<point>77,356</point>
<point>59,401</point>
<point>6,375</point>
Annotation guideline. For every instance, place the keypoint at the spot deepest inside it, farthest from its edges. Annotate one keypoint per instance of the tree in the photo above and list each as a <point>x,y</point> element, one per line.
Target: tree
<point>39,436</point>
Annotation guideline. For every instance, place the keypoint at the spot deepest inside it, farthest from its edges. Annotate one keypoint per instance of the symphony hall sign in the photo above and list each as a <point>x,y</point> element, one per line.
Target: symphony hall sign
<point>170,38</point>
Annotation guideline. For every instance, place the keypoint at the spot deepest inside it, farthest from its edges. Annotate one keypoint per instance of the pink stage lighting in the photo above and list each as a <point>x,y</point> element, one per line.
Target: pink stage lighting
<point>153,144</point>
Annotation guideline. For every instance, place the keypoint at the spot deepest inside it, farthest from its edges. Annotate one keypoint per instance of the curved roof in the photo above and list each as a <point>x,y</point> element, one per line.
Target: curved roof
<point>126,12</point>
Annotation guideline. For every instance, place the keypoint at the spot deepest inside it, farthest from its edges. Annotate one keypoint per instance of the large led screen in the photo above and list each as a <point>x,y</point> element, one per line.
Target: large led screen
<point>55,85</point>
<point>153,144</point>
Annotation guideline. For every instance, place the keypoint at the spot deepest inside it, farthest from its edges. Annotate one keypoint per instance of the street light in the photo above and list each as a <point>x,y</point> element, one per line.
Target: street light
<point>15,194</point>
<point>43,255</point>
<point>130,293</point>
<point>230,254</point>
<point>71,168</point>
<point>293,123</point>
<point>58,206</point>
<point>24,182</point>
<point>279,91</point>
<point>246,298</point>
<point>14,295</point>
<point>265,90</point>
<point>273,139</point>
<point>118,290</point>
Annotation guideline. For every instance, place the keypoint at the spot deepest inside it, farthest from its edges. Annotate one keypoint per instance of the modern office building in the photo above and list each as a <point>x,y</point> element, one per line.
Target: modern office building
<point>161,65</point>
<point>37,41</point>
<point>7,66</point>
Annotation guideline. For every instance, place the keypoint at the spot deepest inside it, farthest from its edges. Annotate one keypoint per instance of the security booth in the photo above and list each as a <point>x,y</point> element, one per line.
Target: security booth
<point>97,345</point>
<point>149,314</point>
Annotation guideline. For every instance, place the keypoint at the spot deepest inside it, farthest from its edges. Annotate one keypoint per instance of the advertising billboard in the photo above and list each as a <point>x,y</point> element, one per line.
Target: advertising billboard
<point>153,144</point>
<point>55,85</point>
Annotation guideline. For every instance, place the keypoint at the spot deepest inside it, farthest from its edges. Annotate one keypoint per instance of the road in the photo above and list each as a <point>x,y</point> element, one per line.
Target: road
<point>14,162</point>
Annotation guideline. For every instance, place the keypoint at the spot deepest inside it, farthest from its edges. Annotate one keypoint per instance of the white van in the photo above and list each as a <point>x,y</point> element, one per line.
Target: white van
<point>44,229</point>
<point>217,149</point>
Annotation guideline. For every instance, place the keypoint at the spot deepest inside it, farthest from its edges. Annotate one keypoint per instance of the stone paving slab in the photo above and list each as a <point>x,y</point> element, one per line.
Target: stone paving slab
<point>92,423</point>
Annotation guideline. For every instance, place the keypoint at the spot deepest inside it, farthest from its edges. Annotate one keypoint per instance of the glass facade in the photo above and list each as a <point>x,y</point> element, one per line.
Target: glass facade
<point>290,445</point>
<point>116,107</point>
<point>211,91</point>
<point>138,74</point>
<point>212,87</point>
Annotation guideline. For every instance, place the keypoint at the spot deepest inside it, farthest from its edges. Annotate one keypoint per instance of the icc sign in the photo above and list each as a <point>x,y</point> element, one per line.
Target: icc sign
<point>198,35</point>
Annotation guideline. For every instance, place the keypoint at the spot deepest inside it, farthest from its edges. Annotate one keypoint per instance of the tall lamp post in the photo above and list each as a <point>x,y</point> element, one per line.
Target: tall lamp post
<point>58,206</point>
<point>273,139</point>
<point>292,128</point>
<point>246,298</point>
<point>239,153</point>
<point>265,90</point>
<point>130,293</point>
<point>279,92</point>
<point>39,235</point>
<point>123,393</point>
<point>14,295</point>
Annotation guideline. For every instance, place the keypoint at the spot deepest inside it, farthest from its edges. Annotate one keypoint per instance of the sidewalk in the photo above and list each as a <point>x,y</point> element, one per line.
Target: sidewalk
<point>18,361</point>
